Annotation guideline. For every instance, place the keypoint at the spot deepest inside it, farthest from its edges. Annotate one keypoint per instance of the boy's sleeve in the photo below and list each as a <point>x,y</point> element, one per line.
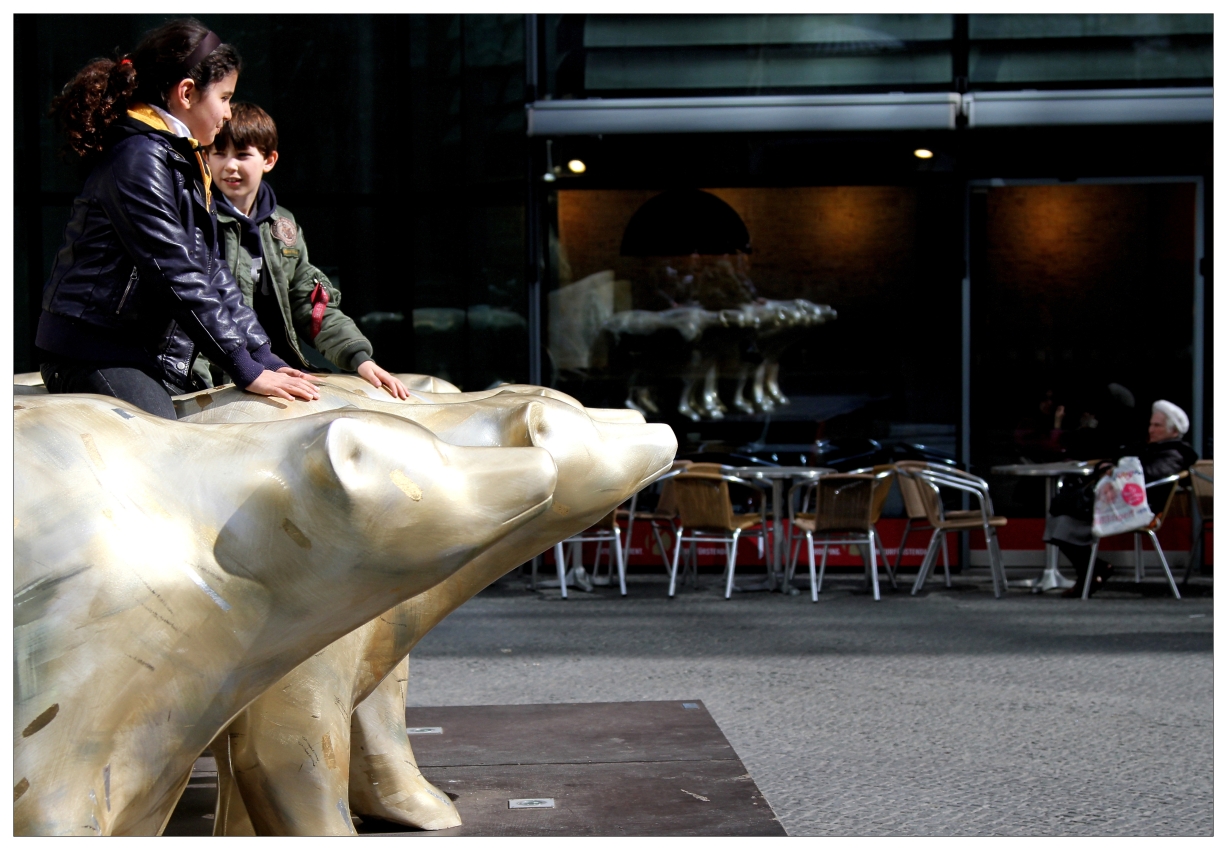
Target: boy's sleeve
<point>338,337</point>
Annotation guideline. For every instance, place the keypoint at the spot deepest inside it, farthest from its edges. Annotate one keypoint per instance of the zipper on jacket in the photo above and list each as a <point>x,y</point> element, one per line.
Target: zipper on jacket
<point>132,279</point>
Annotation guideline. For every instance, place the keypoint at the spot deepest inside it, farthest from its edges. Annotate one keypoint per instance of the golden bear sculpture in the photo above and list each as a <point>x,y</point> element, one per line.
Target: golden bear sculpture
<point>168,573</point>
<point>352,694</point>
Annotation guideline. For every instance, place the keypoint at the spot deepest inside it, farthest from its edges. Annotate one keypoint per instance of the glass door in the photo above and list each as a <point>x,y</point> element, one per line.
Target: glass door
<point>1086,307</point>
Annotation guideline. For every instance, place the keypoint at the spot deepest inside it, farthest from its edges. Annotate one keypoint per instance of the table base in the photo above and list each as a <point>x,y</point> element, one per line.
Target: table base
<point>1051,578</point>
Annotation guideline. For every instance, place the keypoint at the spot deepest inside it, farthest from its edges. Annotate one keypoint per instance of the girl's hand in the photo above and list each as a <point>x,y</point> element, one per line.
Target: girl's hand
<point>294,373</point>
<point>279,385</point>
<point>378,377</point>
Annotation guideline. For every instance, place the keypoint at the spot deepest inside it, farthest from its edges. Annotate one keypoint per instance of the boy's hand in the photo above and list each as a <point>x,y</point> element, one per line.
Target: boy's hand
<point>278,385</point>
<point>378,377</point>
<point>294,373</point>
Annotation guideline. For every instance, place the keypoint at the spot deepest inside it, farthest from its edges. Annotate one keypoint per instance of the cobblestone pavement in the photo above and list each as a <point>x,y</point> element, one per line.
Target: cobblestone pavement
<point>949,713</point>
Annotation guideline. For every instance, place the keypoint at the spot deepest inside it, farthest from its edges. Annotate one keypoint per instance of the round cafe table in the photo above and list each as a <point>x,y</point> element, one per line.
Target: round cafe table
<point>1054,472</point>
<point>777,475</point>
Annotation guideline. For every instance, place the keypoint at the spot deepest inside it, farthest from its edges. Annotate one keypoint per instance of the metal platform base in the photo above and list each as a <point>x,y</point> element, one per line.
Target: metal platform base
<point>622,768</point>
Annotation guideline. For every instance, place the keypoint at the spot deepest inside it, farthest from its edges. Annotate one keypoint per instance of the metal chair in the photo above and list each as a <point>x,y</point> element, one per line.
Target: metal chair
<point>705,509</point>
<point>914,506</point>
<point>605,531</point>
<point>847,506</point>
<point>932,480</point>
<point>1139,566</point>
<point>608,536</point>
<point>663,517</point>
<point>1202,480</point>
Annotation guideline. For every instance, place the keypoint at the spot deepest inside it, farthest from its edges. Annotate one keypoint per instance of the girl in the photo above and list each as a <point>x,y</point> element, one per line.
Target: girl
<point>137,288</point>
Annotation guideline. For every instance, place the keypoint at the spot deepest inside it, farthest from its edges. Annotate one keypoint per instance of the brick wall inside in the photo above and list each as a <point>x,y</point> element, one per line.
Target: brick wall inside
<point>839,245</point>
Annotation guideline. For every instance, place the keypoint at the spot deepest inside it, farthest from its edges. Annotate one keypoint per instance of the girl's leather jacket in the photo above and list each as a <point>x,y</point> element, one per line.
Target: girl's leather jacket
<point>138,279</point>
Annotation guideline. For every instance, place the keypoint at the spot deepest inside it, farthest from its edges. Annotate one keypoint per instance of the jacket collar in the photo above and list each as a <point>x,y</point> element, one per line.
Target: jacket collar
<point>152,116</point>
<point>156,118</point>
<point>265,207</point>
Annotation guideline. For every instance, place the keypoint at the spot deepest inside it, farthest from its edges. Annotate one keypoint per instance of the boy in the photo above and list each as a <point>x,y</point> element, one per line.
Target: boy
<point>265,249</point>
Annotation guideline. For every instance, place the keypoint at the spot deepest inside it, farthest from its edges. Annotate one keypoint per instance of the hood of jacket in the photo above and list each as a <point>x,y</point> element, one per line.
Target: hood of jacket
<point>249,226</point>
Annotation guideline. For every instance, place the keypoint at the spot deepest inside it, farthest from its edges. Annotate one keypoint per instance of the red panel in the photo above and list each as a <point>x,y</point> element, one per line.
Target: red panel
<point>1028,534</point>
<point>1020,534</point>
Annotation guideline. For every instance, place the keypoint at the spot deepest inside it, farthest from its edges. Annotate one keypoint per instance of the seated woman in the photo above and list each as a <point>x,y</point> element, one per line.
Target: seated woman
<point>1165,453</point>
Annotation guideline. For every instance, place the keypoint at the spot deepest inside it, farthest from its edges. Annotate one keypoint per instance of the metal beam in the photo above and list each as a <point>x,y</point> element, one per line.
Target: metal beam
<point>1095,106</point>
<point>924,111</point>
<point>1198,430</point>
<point>898,111</point>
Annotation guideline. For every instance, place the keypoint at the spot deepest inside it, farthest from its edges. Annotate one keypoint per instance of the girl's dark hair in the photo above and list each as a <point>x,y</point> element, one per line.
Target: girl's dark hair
<point>103,90</point>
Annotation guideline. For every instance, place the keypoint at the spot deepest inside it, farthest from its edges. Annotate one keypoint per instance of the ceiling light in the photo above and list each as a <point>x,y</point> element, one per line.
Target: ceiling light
<point>577,166</point>
<point>922,153</point>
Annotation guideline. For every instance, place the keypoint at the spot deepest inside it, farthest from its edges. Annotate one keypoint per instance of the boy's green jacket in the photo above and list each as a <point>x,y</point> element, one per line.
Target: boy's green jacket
<point>294,282</point>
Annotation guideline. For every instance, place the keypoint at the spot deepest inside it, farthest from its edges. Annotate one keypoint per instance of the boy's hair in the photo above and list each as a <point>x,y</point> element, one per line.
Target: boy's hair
<point>249,126</point>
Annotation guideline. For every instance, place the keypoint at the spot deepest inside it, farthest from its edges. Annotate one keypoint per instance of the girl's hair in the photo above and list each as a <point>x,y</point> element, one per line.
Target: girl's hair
<point>103,90</point>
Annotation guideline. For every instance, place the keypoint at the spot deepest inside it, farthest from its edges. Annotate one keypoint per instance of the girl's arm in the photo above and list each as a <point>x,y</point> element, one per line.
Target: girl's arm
<point>258,343</point>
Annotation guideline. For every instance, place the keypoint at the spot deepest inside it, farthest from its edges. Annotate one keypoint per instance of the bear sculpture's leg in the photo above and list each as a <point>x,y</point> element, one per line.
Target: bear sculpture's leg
<point>230,817</point>
<point>384,780</point>
<point>262,749</point>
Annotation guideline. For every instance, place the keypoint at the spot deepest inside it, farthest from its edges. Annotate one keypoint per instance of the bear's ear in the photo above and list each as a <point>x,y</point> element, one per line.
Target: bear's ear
<point>349,446</point>
<point>343,444</point>
<point>363,453</point>
<point>528,426</point>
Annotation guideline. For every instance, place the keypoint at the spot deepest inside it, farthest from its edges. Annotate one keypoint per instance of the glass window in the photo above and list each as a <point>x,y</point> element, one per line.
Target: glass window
<point>1009,51</point>
<point>1082,306</point>
<point>783,322</point>
<point>696,55</point>
<point>626,55</point>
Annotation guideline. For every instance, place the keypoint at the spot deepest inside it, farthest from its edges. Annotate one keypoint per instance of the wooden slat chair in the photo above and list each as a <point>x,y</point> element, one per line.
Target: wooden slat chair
<point>1201,478</point>
<point>1139,565</point>
<point>847,507</point>
<point>932,479</point>
<point>705,510</point>
<point>690,554</point>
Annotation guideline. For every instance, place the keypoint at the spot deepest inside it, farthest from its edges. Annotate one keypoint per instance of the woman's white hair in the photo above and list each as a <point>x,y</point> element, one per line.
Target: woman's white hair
<point>1177,419</point>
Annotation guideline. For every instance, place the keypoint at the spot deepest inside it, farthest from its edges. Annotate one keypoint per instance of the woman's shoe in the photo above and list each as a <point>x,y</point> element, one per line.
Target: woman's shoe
<point>1102,574</point>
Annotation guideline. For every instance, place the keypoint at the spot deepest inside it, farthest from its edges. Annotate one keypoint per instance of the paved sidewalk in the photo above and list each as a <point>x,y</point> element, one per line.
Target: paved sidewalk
<point>949,713</point>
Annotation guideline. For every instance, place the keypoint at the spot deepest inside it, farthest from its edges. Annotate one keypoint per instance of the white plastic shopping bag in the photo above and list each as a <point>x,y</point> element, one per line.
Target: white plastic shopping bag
<point>1120,500</point>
